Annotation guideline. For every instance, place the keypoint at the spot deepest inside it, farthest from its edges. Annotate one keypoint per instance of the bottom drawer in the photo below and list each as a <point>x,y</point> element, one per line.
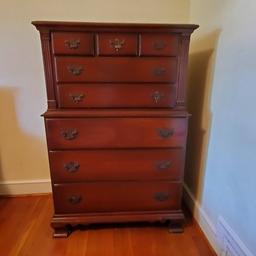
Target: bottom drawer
<point>116,197</point>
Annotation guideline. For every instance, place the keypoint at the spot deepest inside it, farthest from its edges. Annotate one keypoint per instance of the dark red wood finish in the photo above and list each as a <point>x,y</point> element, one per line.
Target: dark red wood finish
<point>84,165</point>
<point>159,44</point>
<point>116,133</point>
<point>116,197</point>
<point>73,43</point>
<point>117,44</point>
<point>116,122</point>
<point>110,69</point>
<point>116,95</point>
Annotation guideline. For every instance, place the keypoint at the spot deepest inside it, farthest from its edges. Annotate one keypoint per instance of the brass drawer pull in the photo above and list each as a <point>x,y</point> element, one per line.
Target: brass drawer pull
<point>72,166</point>
<point>163,165</point>
<point>69,134</point>
<point>161,196</point>
<point>75,199</point>
<point>165,132</point>
<point>72,43</point>
<point>159,45</point>
<point>75,70</point>
<point>157,96</point>
<point>76,98</point>
<point>159,71</point>
<point>117,44</point>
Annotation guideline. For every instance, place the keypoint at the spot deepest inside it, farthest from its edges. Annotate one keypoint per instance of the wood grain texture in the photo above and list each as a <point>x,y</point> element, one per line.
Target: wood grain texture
<point>143,165</point>
<point>117,44</point>
<point>116,95</point>
<point>159,44</point>
<point>113,69</point>
<point>111,197</point>
<point>121,66</point>
<point>26,231</point>
<point>116,133</point>
<point>73,43</point>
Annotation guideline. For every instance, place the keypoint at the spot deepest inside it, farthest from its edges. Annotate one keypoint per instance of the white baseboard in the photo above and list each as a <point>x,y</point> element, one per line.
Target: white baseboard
<point>24,187</point>
<point>229,241</point>
<point>201,217</point>
<point>222,238</point>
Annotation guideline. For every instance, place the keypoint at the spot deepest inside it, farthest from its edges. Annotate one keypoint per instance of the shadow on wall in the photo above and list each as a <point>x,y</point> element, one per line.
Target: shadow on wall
<point>22,156</point>
<point>200,80</point>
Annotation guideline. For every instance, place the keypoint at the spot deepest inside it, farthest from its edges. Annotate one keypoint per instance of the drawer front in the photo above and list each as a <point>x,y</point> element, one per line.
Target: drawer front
<point>117,44</point>
<point>116,95</point>
<point>73,43</point>
<point>111,69</point>
<point>159,45</point>
<point>116,132</point>
<point>116,197</point>
<point>100,165</point>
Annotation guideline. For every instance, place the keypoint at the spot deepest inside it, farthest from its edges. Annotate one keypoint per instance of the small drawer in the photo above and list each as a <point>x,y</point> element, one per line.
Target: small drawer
<point>112,69</point>
<point>81,133</point>
<point>84,165</point>
<point>74,43</point>
<point>116,197</point>
<point>159,45</point>
<point>116,95</point>
<point>109,44</point>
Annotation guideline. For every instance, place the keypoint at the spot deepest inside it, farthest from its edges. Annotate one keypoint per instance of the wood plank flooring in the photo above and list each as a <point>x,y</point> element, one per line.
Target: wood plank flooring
<point>25,230</point>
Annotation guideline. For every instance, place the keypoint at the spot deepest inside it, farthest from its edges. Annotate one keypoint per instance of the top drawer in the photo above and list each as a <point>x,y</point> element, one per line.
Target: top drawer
<point>117,44</point>
<point>72,43</point>
<point>159,45</point>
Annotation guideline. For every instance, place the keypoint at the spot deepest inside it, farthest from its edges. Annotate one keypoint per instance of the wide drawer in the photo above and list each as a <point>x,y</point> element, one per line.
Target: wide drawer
<point>116,95</point>
<point>72,43</point>
<point>159,45</point>
<point>75,133</point>
<point>116,197</point>
<point>112,69</point>
<point>100,165</point>
<point>117,44</point>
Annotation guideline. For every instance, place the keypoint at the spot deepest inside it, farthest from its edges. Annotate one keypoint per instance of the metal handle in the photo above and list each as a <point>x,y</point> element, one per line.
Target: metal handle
<point>72,43</point>
<point>74,199</point>
<point>159,45</point>
<point>116,43</point>
<point>157,96</point>
<point>159,71</point>
<point>161,196</point>
<point>163,165</point>
<point>72,166</point>
<point>75,70</point>
<point>76,98</point>
<point>165,132</point>
<point>69,134</point>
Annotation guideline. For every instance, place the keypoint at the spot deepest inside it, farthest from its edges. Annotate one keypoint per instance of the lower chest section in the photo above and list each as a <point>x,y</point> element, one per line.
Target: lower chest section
<point>116,164</point>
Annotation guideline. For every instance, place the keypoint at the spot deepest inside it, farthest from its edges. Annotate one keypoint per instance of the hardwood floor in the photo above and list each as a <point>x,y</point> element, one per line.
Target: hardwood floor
<point>25,230</point>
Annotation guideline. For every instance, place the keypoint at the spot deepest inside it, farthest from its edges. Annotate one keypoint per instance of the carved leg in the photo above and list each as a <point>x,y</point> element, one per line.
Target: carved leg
<point>175,226</point>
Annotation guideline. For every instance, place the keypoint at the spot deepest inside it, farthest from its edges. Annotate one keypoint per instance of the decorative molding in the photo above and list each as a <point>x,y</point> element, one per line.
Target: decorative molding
<point>24,187</point>
<point>48,67</point>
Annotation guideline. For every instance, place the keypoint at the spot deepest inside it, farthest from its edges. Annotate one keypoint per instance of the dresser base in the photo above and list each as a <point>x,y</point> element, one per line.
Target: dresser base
<point>63,224</point>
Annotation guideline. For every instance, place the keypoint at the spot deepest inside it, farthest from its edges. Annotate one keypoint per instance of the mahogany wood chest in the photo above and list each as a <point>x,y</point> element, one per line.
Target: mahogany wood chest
<point>116,122</point>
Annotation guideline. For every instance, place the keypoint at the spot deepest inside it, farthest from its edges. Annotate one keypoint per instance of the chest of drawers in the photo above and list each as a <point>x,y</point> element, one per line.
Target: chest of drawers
<point>116,123</point>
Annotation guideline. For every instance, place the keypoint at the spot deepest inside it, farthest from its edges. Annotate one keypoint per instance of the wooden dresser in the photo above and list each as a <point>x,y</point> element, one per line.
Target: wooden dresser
<point>116,123</point>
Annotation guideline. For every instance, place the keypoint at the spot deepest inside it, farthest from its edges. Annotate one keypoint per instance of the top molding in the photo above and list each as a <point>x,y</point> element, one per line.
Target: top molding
<point>60,25</point>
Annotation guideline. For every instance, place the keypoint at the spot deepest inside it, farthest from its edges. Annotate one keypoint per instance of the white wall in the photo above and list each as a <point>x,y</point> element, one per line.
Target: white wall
<point>23,154</point>
<point>224,58</point>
